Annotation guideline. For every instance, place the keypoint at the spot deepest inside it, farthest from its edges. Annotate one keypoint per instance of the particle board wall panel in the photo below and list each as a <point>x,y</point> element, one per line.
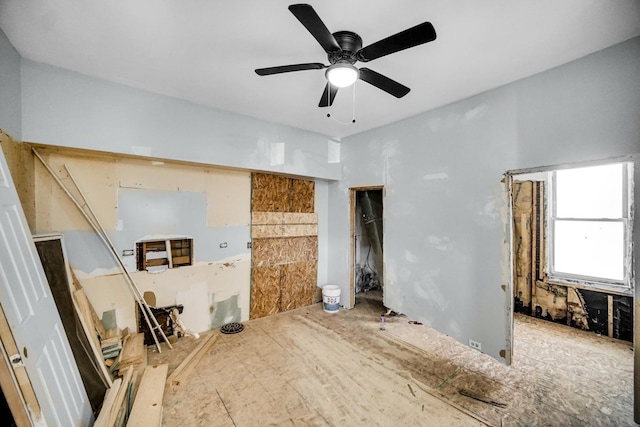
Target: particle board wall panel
<point>267,218</point>
<point>302,196</point>
<point>270,193</point>
<point>291,230</point>
<point>299,218</point>
<point>265,291</point>
<point>284,244</point>
<point>298,285</point>
<point>284,250</point>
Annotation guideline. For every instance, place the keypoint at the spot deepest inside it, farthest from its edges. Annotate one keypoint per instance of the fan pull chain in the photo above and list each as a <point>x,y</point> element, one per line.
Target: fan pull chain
<point>353,107</point>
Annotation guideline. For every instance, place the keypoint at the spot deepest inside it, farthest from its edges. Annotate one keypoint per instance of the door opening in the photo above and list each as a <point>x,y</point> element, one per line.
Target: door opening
<point>367,269</point>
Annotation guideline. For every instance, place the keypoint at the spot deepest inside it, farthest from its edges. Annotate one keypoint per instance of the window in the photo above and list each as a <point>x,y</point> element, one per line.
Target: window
<point>157,255</point>
<point>589,224</point>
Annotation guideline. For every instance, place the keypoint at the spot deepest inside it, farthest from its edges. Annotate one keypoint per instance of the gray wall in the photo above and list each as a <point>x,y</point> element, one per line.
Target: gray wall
<point>444,209</point>
<point>10,103</point>
<point>64,108</point>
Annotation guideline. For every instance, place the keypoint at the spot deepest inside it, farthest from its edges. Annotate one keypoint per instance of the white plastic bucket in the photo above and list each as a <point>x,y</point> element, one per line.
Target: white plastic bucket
<point>331,298</point>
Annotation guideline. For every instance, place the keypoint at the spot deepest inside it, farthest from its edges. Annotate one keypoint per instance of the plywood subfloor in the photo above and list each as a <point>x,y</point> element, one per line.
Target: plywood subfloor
<point>310,368</point>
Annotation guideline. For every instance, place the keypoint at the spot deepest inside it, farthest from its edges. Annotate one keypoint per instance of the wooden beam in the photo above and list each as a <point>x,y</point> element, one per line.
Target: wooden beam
<point>610,315</point>
<point>109,400</point>
<point>147,407</point>
<point>183,370</point>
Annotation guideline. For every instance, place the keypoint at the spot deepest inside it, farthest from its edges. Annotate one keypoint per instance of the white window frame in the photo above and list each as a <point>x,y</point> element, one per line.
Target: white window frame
<point>625,285</point>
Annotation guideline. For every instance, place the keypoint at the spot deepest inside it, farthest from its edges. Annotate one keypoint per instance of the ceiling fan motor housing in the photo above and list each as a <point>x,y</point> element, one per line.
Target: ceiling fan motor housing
<point>350,43</point>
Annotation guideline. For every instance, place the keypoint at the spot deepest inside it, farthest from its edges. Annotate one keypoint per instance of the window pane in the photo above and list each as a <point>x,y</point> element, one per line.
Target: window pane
<point>589,248</point>
<point>594,192</point>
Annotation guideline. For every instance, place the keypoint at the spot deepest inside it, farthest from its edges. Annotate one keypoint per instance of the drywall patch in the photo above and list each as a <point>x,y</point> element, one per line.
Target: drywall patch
<point>476,113</point>
<point>225,311</point>
<point>87,253</point>
<point>435,176</point>
<point>140,151</point>
<point>195,314</point>
<point>444,244</point>
<point>410,257</point>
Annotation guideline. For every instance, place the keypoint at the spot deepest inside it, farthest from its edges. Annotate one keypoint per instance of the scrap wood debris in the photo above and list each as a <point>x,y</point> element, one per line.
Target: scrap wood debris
<point>481,398</point>
<point>414,322</point>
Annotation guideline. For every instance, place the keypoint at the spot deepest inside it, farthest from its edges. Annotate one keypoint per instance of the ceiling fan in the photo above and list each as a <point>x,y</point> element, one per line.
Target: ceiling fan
<point>344,48</point>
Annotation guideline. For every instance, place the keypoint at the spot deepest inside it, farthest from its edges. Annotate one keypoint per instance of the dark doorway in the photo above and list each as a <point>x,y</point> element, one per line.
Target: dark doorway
<point>368,246</point>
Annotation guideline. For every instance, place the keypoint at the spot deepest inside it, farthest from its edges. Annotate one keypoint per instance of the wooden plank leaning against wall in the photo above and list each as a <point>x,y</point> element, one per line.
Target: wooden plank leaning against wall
<point>284,232</point>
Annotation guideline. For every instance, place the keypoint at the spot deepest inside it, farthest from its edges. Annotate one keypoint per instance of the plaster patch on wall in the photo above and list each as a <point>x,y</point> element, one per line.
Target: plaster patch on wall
<point>435,176</point>
<point>455,329</point>
<point>261,155</point>
<point>443,244</point>
<point>196,307</point>
<point>427,290</point>
<point>488,213</point>
<point>452,120</point>
<point>225,311</point>
<point>476,113</point>
<point>410,257</point>
<point>141,151</point>
<point>277,153</point>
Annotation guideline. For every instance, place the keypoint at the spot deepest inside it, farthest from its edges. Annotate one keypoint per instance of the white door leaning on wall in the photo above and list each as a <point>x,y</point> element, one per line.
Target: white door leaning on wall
<point>34,320</point>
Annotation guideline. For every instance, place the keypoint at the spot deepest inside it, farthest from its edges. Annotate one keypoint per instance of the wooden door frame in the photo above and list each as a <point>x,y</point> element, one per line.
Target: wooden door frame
<point>352,237</point>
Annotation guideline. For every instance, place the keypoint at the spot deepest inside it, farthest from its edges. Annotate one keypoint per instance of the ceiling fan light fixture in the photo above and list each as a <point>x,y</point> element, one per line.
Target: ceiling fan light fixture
<point>342,74</point>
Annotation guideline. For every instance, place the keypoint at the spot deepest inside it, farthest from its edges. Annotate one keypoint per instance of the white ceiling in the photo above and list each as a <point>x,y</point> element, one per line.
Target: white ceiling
<point>205,51</point>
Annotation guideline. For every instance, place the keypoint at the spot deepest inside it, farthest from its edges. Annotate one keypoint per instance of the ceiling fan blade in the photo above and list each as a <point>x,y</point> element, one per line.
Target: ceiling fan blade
<point>410,37</point>
<point>392,87</point>
<point>288,68</point>
<point>312,22</point>
<point>328,95</point>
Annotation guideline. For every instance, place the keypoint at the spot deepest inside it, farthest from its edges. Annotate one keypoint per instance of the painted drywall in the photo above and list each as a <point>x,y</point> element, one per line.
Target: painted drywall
<point>10,104</point>
<point>139,200</point>
<point>321,195</point>
<point>68,109</point>
<point>444,206</point>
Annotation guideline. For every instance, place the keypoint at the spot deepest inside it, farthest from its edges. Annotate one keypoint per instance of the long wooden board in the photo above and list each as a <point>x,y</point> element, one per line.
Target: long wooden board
<point>147,407</point>
<point>181,373</point>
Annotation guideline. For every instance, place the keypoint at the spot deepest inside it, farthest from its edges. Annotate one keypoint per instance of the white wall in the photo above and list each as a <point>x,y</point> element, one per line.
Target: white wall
<point>444,209</point>
<point>10,103</point>
<point>68,109</point>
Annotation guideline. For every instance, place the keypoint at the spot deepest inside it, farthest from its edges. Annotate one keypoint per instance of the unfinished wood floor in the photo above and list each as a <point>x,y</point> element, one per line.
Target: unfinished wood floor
<point>310,368</point>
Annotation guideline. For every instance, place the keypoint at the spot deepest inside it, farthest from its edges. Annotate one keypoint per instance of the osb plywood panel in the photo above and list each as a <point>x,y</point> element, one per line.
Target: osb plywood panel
<point>299,218</point>
<point>303,196</point>
<point>265,291</point>
<point>269,193</point>
<point>293,230</point>
<point>299,282</point>
<point>267,218</point>
<point>284,250</point>
<point>271,218</point>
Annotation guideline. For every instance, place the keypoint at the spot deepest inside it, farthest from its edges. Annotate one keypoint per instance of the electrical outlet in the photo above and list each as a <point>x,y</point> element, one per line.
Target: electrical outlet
<point>475,344</point>
<point>223,245</point>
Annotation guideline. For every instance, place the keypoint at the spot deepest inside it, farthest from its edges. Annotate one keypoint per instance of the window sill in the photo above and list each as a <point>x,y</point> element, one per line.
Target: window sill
<point>596,287</point>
